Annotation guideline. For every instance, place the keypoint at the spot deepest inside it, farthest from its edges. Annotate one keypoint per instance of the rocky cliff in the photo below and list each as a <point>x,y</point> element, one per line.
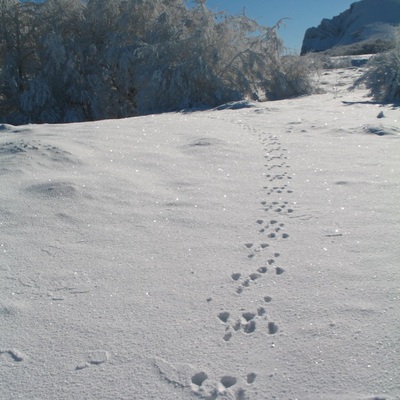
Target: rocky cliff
<point>366,24</point>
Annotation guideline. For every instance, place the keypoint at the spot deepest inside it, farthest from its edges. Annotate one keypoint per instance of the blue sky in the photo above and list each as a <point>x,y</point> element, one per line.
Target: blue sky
<point>303,14</point>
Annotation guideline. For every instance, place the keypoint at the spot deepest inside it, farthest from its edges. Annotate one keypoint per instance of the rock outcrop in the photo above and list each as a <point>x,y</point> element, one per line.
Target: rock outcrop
<point>366,25</point>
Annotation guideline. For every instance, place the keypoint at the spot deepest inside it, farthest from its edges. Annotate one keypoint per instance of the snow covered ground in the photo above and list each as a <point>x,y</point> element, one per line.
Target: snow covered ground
<point>248,252</point>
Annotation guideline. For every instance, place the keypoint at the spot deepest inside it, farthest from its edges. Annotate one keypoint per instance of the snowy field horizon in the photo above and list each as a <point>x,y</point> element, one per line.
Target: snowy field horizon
<point>248,251</point>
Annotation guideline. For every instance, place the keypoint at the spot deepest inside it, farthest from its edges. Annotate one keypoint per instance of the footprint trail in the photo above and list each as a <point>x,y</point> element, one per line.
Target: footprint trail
<point>198,382</point>
<point>270,229</point>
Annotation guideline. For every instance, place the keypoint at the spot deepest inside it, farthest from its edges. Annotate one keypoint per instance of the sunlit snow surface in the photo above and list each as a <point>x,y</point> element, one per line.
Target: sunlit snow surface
<point>247,252</point>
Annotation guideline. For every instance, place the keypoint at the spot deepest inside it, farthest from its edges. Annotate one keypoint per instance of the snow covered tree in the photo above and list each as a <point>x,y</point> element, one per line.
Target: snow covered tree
<point>17,52</point>
<point>67,60</point>
<point>382,77</point>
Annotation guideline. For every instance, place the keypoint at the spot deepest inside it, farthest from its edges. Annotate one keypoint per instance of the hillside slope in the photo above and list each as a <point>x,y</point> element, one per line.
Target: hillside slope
<point>242,253</point>
<point>372,22</point>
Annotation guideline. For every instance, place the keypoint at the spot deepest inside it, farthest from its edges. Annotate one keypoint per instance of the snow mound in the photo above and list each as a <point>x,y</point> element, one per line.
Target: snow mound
<point>381,130</point>
<point>235,105</point>
<point>5,127</point>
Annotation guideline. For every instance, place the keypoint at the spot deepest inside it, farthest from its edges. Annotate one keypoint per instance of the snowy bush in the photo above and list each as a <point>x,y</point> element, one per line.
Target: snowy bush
<point>67,60</point>
<point>291,76</point>
<point>382,77</point>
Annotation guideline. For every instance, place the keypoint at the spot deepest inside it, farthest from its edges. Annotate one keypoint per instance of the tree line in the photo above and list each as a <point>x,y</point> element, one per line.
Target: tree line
<point>68,60</point>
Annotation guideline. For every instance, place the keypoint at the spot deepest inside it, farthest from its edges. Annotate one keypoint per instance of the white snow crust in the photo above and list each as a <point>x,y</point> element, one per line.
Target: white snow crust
<point>247,252</point>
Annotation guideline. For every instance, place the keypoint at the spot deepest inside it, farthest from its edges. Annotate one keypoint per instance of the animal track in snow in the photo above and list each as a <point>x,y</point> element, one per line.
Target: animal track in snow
<point>275,189</point>
<point>261,311</point>
<point>254,276</point>
<point>274,228</point>
<point>255,249</point>
<point>280,209</point>
<point>199,378</point>
<point>248,316</point>
<point>279,270</point>
<point>278,177</point>
<point>281,165</point>
<point>251,377</point>
<point>223,316</point>
<point>14,355</point>
<point>236,276</point>
<point>228,336</point>
<point>247,324</point>
<point>272,328</point>
<point>98,357</point>
<point>250,323</point>
<point>95,357</point>
<point>185,377</point>
<point>246,283</point>
<point>250,327</point>
<point>228,381</point>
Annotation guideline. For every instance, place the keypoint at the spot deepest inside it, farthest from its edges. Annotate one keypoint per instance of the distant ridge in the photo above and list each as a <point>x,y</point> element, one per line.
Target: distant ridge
<point>368,26</point>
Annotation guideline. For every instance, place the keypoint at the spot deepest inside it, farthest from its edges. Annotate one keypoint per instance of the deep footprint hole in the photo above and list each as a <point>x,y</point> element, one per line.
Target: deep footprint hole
<point>199,378</point>
<point>279,270</point>
<point>248,316</point>
<point>228,336</point>
<point>224,316</point>
<point>228,381</point>
<point>272,328</point>
<point>251,377</point>
<point>250,327</point>
<point>236,276</point>
<point>236,326</point>
<point>254,276</point>
<point>261,311</point>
